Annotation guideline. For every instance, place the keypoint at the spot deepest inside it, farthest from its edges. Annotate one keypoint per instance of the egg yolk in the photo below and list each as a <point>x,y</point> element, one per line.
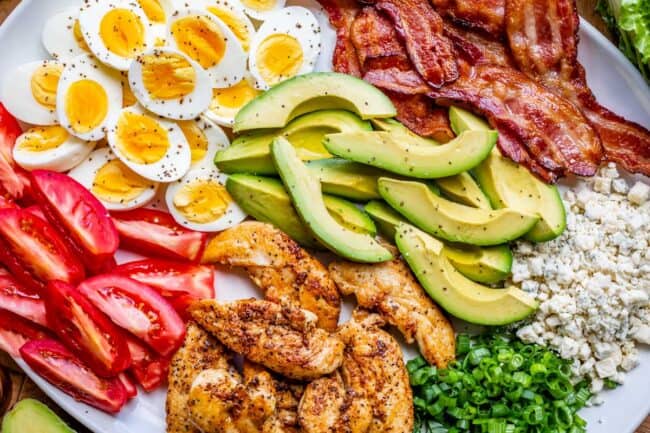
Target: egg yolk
<point>42,138</point>
<point>122,33</point>
<point>234,23</point>
<point>196,138</point>
<point>78,36</point>
<point>202,201</point>
<point>153,10</point>
<point>279,57</point>
<point>201,39</point>
<point>86,105</point>
<point>116,183</point>
<point>128,98</point>
<point>44,83</point>
<point>229,100</point>
<point>259,5</point>
<point>140,138</point>
<point>167,76</point>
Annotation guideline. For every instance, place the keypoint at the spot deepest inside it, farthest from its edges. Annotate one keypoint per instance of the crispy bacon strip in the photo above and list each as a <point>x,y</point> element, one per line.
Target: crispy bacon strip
<point>543,37</point>
<point>420,28</point>
<point>484,15</point>
<point>341,14</point>
<point>475,48</point>
<point>420,115</point>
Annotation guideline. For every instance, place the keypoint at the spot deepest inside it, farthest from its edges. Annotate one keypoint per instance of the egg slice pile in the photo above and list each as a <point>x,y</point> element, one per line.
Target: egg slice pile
<point>130,100</point>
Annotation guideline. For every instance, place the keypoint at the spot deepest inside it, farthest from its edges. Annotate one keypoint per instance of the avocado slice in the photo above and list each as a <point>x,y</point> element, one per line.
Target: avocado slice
<point>305,192</point>
<point>31,416</point>
<point>451,221</point>
<point>398,129</point>
<point>458,295</point>
<point>483,264</point>
<point>312,92</point>
<point>463,120</point>
<point>346,178</point>
<point>509,185</point>
<point>386,219</point>
<point>394,153</point>
<point>349,216</point>
<point>462,188</point>
<point>251,153</point>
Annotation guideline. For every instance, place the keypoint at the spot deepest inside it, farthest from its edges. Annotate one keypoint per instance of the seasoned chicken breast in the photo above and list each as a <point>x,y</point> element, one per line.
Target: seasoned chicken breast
<point>372,392</point>
<point>280,267</point>
<point>199,352</point>
<point>391,290</point>
<point>282,338</point>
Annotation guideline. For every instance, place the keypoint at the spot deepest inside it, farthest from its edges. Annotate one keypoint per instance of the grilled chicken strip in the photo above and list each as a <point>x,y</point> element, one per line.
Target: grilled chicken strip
<point>280,267</point>
<point>371,394</point>
<point>199,352</point>
<point>282,338</point>
<point>390,289</point>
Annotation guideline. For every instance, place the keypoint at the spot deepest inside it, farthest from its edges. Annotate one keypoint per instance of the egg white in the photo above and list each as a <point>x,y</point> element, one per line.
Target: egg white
<point>175,162</point>
<point>295,21</point>
<point>328,34</point>
<point>217,140</point>
<point>187,107</point>
<point>90,19</point>
<point>235,8</point>
<point>86,67</point>
<point>225,116</point>
<point>232,67</point>
<point>62,158</point>
<point>159,29</point>
<point>58,35</point>
<point>86,172</point>
<point>259,15</point>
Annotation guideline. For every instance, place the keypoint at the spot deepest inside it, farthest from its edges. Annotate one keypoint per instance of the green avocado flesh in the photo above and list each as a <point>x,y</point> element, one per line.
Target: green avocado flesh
<point>305,192</point>
<point>349,216</point>
<point>458,295</point>
<point>346,178</point>
<point>397,129</point>
<point>391,152</point>
<point>463,120</point>
<point>31,416</point>
<point>453,221</point>
<point>463,189</point>
<point>385,218</point>
<point>483,264</point>
<point>312,92</point>
<point>251,153</point>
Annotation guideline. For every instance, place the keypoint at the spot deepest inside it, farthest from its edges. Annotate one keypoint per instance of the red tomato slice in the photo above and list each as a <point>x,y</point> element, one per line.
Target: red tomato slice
<point>56,364</point>
<point>7,203</point>
<point>86,330</point>
<point>25,303</point>
<point>155,233</point>
<point>129,385</point>
<point>137,308</point>
<point>15,331</point>
<point>79,215</point>
<point>13,179</point>
<point>20,273</point>
<point>36,211</point>
<point>38,247</point>
<point>149,368</point>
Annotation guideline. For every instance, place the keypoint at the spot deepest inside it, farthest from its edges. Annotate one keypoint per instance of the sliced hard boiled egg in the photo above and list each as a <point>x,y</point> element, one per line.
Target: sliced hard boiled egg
<point>112,182</point>
<point>116,33</point>
<point>260,10</point>
<point>209,42</point>
<point>227,102</point>
<point>328,34</point>
<point>89,97</point>
<point>128,98</point>
<point>232,14</point>
<point>170,84</point>
<point>286,45</point>
<point>205,140</point>
<point>30,91</point>
<point>149,145</point>
<point>158,12</point>
<point>50,148</point>
<point>62,36</point>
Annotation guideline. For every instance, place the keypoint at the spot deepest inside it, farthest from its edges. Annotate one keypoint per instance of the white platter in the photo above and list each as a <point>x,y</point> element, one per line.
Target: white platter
<point>612,78</point>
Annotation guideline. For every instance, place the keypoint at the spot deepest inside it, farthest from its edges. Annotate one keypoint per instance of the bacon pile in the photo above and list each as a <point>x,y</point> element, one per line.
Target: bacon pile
<point>513,61</point>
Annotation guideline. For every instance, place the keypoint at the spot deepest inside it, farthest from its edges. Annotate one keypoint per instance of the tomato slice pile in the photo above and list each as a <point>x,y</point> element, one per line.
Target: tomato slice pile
<point>54,362</point>
<point>15,331</point>
<point>155,233</point>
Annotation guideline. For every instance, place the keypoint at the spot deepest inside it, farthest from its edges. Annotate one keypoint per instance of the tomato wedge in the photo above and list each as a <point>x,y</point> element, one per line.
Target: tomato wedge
<point>137,308</point>
<point>25,303</point>
<point>155,233</point>
<point>172,279</point>
<point>37,247</point>
<point>79,216</point>
<point>128,384</point>
<point>55,363</point>
<point>86,330</point>
<point>7,203</point>
<point>15,331</point>
<point>13,179</point>
<point>149,368</point>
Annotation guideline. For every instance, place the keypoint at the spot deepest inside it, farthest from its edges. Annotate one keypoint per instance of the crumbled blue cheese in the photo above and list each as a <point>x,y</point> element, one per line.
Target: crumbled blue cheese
<point>593,283</point>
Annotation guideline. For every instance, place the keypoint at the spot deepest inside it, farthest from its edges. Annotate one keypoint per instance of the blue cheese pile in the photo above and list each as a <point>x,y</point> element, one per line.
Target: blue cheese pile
<point>593,283</point>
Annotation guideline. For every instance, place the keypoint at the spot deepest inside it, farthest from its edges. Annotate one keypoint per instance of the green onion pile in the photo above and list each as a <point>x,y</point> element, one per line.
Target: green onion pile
<point>497,385</point>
